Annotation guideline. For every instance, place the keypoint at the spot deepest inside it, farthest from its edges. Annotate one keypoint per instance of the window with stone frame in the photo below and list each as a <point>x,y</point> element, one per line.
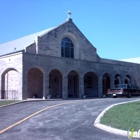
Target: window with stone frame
<point>67,48</point>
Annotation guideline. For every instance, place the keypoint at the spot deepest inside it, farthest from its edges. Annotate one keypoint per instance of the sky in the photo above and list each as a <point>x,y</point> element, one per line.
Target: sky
<point>112,26</point>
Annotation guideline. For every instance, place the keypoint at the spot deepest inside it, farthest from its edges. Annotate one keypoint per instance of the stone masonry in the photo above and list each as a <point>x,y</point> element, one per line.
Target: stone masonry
<point>39,71</point>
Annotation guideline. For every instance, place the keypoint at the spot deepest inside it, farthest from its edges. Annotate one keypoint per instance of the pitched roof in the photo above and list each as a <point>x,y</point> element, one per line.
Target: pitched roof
<point>21,43</point>
<point>132,60</point>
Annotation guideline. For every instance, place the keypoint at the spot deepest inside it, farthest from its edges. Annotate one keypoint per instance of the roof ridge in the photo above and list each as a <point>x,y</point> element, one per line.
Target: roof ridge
<point>23,42</point>
<point>35,34</point>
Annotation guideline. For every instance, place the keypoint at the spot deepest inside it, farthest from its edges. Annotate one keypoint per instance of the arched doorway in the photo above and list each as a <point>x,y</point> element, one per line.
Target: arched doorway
<point>55,84</point>
<point>127,79</point>
<point>106,82</point>
<point>91,84</point>
<point>117,79</point>
<point>35,83</point>
<point>10,84</point>
<point>73,82</point>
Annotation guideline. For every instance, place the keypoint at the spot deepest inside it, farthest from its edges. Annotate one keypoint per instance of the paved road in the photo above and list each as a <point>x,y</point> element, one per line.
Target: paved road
<point>72,121</point>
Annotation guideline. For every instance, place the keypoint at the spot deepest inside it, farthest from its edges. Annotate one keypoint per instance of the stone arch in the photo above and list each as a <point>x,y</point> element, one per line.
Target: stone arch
<point>55,84</point>
<point>128,79</point>
<point>73,84</point>
<point>10,84</point>
<point>105,82</point>
<point>35,83</point>
<point>91,84</point>
<point>117,79</point>
<point>37,67</point>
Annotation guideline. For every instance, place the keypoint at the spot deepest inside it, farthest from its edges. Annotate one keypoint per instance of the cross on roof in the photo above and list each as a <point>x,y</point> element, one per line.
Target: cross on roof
<point>69,14</point>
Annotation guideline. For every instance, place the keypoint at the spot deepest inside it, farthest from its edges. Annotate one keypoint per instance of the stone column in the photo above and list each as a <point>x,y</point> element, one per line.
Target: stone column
<point>25,86</point>
<point>111,81</point>
<point>0,85</point>
<point>100,87</point>
<point>21,84</point>
<point>132,80</point>
<point>64,87</point>
<point>45,86</point>
<point>81,86</point>
<point>122,79</point>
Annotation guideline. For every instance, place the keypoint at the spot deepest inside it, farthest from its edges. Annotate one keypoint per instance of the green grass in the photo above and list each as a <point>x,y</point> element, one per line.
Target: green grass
<point>7,102</point>
<point>123,117</point>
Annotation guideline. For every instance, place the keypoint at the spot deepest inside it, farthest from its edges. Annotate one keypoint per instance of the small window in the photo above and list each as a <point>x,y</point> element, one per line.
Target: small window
<point>67,48</point>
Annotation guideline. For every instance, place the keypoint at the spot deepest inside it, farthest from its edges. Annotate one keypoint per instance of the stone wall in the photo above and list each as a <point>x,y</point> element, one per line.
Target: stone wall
<point>50,44</point>
<point>65,65</point>
<point>11,76</point>
<point>44,56</point>
<point>31,48</point>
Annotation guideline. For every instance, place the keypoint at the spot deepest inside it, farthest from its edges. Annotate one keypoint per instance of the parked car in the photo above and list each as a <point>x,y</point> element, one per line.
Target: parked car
<point>124,90</point>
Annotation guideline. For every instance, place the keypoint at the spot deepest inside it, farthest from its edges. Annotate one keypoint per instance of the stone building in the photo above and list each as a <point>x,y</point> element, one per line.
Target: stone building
<point>60,62</point>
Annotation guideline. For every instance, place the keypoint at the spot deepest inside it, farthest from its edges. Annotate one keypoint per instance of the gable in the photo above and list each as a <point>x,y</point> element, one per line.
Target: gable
<point>50,43</point>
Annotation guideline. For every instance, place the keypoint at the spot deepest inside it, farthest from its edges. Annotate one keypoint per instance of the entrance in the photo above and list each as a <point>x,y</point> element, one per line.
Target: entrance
<point>73,81</point>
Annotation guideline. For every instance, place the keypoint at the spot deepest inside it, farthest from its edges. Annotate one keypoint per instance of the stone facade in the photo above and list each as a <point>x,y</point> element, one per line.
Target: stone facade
<point>39,70</point>
<point>11,76</point>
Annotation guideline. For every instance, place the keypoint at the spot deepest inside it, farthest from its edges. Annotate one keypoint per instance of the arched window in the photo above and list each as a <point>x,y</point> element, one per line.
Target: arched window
<point>67,48</point>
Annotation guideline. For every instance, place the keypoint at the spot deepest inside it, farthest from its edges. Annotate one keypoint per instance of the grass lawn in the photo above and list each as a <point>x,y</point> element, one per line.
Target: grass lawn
<point>5,102</point>
<point>124,116</point>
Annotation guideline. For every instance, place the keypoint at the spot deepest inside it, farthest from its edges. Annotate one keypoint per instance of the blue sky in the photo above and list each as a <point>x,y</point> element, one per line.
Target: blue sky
<point>112,26</point>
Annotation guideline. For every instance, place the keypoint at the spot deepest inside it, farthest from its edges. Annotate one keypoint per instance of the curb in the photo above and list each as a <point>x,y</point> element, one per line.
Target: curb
<point>12,104</point>
<point>109,128</point>
<point>32,100</point>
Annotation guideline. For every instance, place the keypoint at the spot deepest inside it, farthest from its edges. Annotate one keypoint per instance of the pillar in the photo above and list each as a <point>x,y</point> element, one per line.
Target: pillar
<point>122,79</point>
<point>64,87</point>
<point>81,86</point>
<point>21,84</point>
<point>0,86</point>
<point>45,85</point>
<point>111,81</point>
<point>25,86</point>
<point>100,87</point>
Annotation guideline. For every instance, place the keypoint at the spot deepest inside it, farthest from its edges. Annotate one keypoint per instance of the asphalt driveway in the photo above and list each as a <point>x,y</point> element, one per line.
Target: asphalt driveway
<point>72,121</point>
